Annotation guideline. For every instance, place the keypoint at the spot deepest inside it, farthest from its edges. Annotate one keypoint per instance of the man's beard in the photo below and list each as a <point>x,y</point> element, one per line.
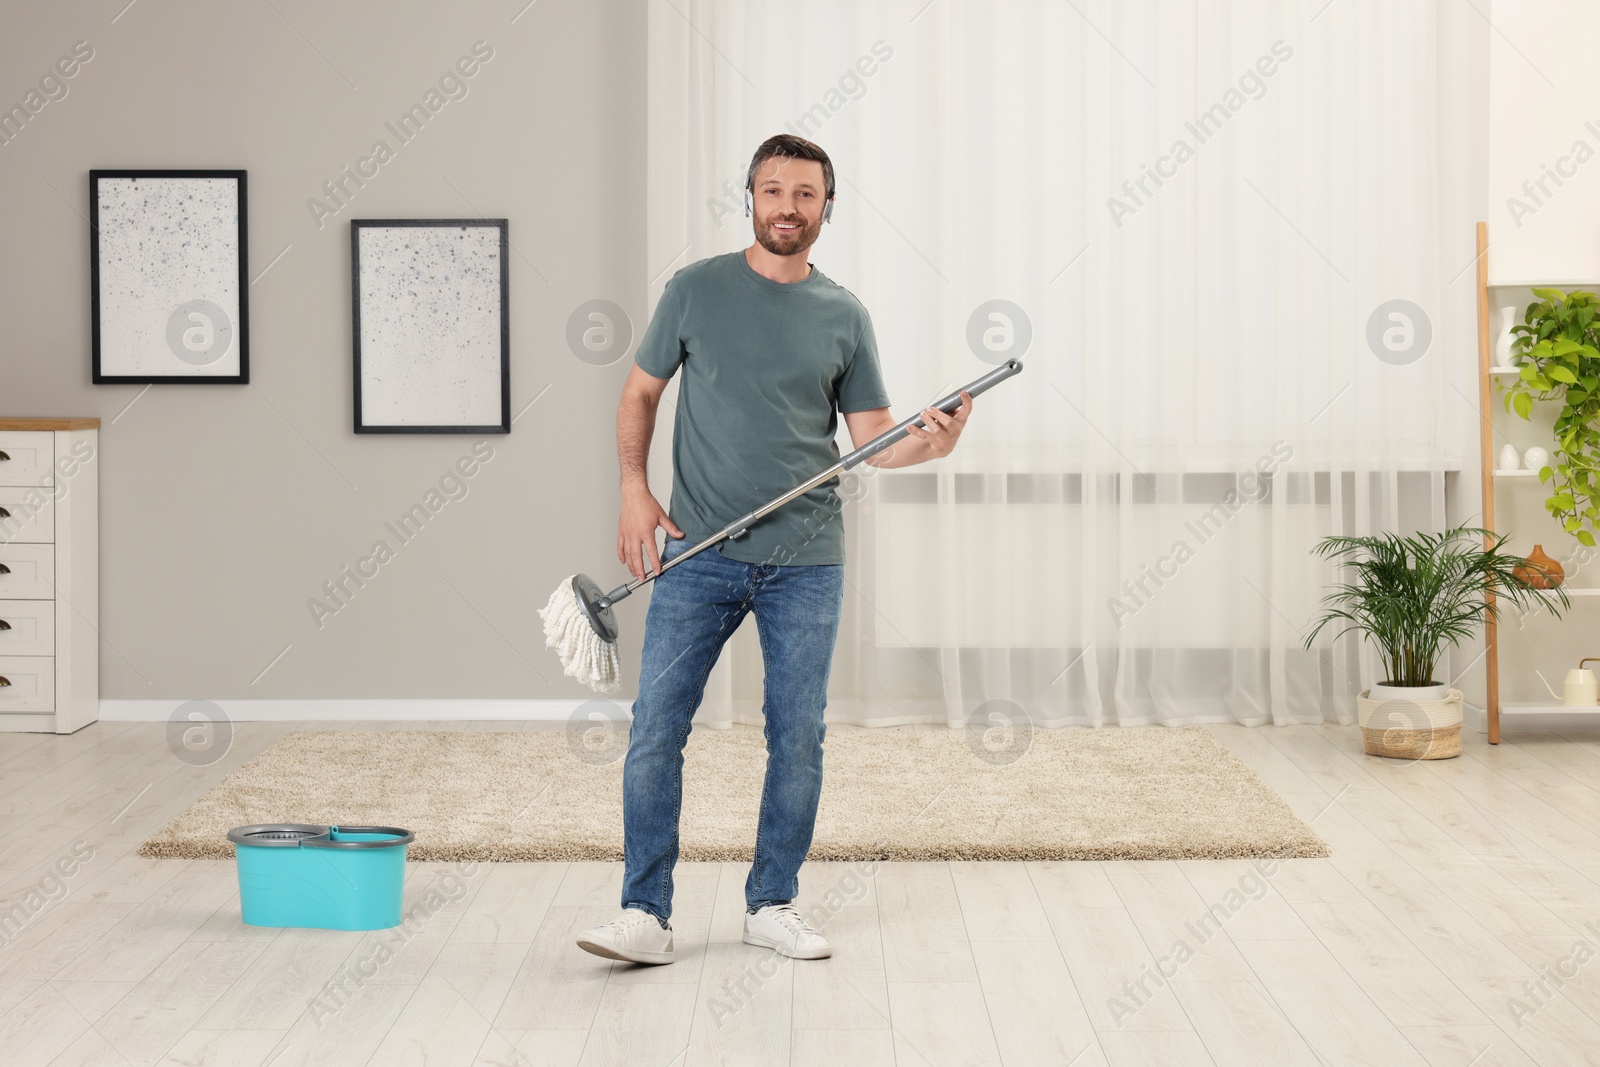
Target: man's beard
<point>795,243</point>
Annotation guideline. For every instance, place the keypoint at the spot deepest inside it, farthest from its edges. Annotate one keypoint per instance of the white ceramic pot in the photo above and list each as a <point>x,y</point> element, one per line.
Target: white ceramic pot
<point>1509,458</point>
<point>1535,457</point>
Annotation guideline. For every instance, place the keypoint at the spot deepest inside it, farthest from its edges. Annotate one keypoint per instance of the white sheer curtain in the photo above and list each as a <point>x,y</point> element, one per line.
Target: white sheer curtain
<point>1078,559</point>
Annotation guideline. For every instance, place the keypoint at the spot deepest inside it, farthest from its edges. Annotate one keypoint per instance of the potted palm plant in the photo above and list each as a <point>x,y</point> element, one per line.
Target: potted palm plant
<point>1412,597</point>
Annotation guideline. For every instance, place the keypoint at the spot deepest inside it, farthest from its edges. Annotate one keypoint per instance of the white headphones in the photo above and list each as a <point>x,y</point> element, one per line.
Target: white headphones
<point>750,197</point>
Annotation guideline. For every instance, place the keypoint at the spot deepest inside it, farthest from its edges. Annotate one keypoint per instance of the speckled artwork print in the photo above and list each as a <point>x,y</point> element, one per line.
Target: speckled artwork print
<point>169,267</point>
<point>430,325</point>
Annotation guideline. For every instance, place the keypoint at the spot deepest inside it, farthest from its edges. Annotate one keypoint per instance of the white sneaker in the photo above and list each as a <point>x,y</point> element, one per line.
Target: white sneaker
<point>635,936</point>
<point>779,926</point>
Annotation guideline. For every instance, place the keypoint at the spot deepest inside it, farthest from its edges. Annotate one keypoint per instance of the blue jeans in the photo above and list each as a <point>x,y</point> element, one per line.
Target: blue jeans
<point>694,608</point>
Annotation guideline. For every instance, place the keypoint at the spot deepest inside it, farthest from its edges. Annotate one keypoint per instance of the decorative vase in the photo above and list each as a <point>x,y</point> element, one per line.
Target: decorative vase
<point>1535,457</point>
<point>1410,722</point>
<point>1540,571</point>
<point>1510,459</point>
<point>1503,347</point>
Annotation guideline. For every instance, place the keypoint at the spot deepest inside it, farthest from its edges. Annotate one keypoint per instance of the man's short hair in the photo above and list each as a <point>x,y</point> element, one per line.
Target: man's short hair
<point>790,147</point>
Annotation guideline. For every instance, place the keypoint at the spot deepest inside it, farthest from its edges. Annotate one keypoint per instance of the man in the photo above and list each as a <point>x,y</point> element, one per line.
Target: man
<point>770,350</point>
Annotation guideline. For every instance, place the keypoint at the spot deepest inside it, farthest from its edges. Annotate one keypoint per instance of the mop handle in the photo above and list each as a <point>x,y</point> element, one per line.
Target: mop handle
<point>948,404</point>
<point>871,448</point>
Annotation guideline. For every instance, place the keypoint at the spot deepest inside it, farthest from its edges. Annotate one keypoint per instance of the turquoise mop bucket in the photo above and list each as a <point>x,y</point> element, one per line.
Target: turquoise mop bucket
<point>325,877</point>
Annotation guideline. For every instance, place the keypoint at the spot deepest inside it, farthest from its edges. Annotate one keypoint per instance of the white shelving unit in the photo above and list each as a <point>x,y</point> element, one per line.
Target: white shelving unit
<point>1537,716</point>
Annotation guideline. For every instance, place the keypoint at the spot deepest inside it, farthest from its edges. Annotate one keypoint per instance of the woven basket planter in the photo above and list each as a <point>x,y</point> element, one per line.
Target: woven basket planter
<point>1411,729</point>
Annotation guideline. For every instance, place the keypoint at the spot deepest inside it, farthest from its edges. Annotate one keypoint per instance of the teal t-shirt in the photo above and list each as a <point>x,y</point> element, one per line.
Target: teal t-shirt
<point>767,369</point>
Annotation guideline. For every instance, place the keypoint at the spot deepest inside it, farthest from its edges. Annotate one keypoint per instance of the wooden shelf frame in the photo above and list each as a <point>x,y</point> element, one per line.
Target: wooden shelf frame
<point>1491,635</point>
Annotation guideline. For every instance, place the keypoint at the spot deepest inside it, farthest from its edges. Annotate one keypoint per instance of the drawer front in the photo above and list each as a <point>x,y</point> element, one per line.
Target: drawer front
<point>27,683</point>
<point>27,572</point>
<point>29,627</point>
<point>26,515</point>
<point>26,456</point>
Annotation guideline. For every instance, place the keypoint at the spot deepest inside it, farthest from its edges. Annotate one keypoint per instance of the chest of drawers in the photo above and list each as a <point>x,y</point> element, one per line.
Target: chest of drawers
<point>49,574</point>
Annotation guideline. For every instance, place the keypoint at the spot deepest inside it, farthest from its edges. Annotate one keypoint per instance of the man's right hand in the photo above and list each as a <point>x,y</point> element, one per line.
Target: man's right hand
<point>636,530</point>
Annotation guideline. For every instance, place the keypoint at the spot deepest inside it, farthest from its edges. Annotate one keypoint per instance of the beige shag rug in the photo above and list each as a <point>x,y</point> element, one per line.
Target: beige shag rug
<point>903,793</point>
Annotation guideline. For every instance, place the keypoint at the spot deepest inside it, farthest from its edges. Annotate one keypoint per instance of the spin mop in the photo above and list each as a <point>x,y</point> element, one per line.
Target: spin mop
<point>578,621</point>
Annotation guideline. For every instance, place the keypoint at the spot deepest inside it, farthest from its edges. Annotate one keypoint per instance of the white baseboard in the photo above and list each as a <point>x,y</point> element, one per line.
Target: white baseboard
<point>362,710</point>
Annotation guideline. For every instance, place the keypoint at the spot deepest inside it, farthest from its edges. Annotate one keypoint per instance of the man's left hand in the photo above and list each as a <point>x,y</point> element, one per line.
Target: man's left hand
<point>942,430</point>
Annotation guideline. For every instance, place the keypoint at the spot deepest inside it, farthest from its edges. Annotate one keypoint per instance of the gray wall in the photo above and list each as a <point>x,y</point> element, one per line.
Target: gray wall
<point>225,508</point>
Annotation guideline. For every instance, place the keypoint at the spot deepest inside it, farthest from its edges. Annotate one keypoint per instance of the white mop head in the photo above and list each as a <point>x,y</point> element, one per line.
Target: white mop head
<point>585,655</point>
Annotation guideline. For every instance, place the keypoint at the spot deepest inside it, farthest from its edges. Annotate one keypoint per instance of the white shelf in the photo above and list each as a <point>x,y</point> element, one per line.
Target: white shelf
<point>1564,285</point>
<point>1581,592</point>
<point>1550,707</point>
<point>1505,370</point>
<point>1519,473</point>
<point>1548,716</point>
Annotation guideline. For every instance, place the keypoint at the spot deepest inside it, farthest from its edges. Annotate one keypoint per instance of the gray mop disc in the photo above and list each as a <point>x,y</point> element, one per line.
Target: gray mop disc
<point>589,594</point>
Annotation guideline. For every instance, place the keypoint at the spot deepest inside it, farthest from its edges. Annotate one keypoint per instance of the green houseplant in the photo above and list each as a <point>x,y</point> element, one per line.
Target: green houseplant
<point>1412,597</point>
<point>1559,341</point>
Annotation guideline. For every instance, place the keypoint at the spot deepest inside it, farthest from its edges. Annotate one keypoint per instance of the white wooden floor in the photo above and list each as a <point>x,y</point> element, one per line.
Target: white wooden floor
<point>1455,888</point>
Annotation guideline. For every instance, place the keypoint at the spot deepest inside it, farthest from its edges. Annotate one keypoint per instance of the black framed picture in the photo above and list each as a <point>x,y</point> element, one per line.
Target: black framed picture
<point>168,277</point>
<point>431,325</point>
